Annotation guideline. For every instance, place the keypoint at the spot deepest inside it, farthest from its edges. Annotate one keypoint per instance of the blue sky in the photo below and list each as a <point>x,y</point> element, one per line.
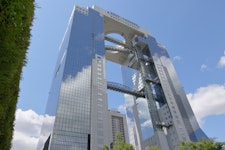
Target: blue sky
<point>192,31</point>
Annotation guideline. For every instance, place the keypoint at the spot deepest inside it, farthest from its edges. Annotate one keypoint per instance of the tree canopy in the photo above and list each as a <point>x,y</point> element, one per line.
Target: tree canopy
<point>120,144</point>
<point>16,17</point>
<point>202,145</point>
<point>154,148</point>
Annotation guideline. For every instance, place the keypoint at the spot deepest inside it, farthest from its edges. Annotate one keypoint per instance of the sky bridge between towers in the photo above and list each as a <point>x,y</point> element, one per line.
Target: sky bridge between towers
<point>124,89</point>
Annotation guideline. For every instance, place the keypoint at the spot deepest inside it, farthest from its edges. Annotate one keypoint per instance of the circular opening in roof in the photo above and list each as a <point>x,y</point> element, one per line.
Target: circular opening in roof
<point>114,40</point>
<point>115,36</point>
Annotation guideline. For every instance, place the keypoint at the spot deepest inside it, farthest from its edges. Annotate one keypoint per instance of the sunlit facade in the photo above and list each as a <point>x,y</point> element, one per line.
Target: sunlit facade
<point>77,99</point>
<point>158,112</point>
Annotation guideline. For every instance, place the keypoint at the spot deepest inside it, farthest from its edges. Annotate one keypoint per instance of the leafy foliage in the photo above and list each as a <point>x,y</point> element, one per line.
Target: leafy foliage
<point>120,144</point>
<point>154,148</point>
<point>16,18</point>
<point>105,147</point>
<point>202,145</point>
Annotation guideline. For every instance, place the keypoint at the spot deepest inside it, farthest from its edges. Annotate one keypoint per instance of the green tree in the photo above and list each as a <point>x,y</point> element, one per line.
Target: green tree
<point>120,144</point>
<point>154,148</point>
<point>105,147</point>
<point>16,17</point>
<point>202,145</point>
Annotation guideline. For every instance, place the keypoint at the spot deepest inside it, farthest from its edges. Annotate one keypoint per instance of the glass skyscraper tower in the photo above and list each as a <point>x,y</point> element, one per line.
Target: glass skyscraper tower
<point>77,108</point>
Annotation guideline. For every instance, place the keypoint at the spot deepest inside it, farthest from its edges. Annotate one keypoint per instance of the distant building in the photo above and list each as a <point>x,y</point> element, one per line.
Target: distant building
<point>118,124</point>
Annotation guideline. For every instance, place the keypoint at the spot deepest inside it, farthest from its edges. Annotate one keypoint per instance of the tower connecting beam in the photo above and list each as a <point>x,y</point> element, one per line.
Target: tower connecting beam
<point>111,39</point>
<point>124,89</point>
<point>119,49</point>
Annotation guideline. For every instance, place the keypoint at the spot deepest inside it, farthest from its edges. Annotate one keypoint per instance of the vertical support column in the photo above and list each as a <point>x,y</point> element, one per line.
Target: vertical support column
<point>148,91</point>
<point>156,122</point>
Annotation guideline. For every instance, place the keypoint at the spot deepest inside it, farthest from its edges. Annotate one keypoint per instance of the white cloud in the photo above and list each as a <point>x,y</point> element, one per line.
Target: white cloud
<point>129,102</point>
<point>130,123</point>
<point>142,106</point>
<point>147,123</point>
<point>221,62</point>
<point>208,101</point>
<point>203,67</point>
<point>143,113</point>
<point>122,109</point>
<point>177,58</point>
<point>27,129</point>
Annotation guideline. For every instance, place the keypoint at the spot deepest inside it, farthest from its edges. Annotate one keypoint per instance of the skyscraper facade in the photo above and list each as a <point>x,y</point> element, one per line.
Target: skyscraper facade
<point>77,108</point>
<point>117,124</point>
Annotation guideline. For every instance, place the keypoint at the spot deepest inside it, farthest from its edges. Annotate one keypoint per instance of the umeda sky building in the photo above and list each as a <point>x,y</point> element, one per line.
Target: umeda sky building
<point>77,108</point>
